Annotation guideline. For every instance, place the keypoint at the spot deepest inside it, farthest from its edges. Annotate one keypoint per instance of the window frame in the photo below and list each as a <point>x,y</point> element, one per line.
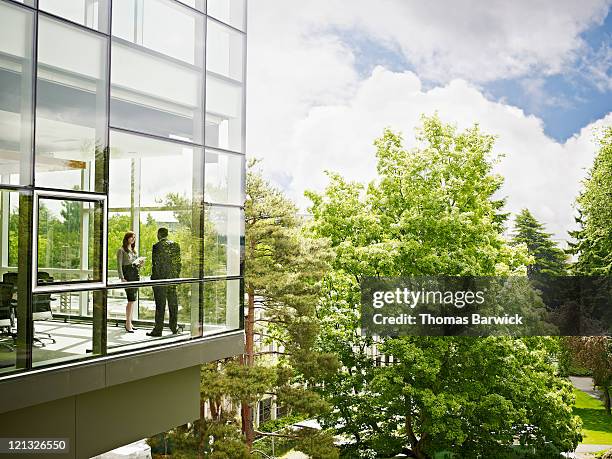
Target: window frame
<point>68,285</point>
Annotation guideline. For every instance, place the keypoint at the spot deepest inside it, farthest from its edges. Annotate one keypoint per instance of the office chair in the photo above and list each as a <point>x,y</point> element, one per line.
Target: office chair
<point>6,315</point>
<point>41,306</point>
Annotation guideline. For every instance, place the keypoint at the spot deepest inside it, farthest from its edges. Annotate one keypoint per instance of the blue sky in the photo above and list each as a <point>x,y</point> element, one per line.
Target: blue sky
<point>569,101</point>
<point>325,79</point>
<point>566,102</point>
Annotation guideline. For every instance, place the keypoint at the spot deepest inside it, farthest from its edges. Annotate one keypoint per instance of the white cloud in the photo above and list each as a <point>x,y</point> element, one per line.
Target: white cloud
<point>540,173</point>
<point>596,66</point>
<point>471,39</point>
<point>309,111</point>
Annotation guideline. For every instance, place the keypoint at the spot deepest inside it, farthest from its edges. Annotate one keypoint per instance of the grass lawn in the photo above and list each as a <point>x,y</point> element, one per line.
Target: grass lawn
<point>596,424</point>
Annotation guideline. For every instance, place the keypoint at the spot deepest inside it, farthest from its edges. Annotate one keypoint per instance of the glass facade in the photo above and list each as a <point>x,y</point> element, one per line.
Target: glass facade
<point>122,176</point>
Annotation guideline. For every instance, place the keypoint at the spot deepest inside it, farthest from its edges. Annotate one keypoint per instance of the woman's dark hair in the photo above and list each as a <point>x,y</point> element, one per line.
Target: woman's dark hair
<point>128,235</point>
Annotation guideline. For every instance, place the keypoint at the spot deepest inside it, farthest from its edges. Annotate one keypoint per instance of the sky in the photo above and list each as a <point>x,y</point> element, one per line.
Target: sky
<point>325,77</point>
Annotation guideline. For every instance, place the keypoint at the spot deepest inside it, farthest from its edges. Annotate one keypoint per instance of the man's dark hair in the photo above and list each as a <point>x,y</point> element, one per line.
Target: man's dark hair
<point>162,232</point>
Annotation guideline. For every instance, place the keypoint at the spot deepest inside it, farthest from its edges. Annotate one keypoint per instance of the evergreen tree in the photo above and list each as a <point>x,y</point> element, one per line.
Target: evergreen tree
<point>593,245</point>
<point>593,241</point>
<point>548,259</point>
<point>283,272</point>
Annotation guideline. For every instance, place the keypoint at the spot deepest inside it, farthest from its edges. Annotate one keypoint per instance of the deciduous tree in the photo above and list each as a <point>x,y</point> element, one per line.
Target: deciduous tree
<point>432,211</point>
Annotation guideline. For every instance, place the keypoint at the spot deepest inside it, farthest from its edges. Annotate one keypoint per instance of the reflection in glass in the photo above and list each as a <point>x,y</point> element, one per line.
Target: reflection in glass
<point>90,13</point>
<point>163,26</point>
<point>70,107</point>
<point>224,114</point>
<point>154,95</point>
<point>223,230</point>
<point>67,231</point>
<point>9,232</point>
<point>143,316</point>
<point>223,178</point>
<point>64,326</point>
<point>229,11</point>
<point>155,184</point>
<point>224,51</point>
<point>197,4</point>
<point>16,74</point>
<point>221,305</point>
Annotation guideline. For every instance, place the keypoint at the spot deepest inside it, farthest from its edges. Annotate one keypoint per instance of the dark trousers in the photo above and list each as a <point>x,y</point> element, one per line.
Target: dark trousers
<point>161,294</point>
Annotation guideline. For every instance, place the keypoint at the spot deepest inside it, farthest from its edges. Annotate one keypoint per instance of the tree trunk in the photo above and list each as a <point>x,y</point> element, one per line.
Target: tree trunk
<point>250,328</point>
<point>246,409</point>
<point>415,443</point>
<point>200,422</point>
<point>607,401</point>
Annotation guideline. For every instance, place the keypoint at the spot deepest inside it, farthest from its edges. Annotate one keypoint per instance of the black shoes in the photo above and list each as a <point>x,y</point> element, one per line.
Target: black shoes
<point>155,334</point>
<point>128,331</point>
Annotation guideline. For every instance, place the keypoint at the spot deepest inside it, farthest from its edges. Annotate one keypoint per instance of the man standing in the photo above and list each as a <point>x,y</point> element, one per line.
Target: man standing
<point>166,259</point>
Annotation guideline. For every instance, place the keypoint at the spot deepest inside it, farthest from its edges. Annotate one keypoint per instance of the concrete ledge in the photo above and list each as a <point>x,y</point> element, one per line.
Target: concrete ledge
<point>45,385</point>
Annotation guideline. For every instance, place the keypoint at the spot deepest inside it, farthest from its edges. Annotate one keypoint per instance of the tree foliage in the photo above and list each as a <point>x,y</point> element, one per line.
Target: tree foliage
<point>548,259</point>
<point>595,353</point>
<point>593,245</point>
<point>593,241</point>
<point>283,272</point>
<point>432,211</point>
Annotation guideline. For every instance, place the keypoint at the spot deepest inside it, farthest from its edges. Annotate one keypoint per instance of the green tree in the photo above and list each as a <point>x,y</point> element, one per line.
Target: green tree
<point>548,259</point>
<point>283,270</point>
<point>595,353</point>
<point>432,211</point>
<point>593,241</point>
<point>593,246</point>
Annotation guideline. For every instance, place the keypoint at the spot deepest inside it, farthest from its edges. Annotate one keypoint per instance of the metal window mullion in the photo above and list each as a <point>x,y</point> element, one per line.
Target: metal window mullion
<point>71,23</point>
<point>230,26</point>
<point>25,244</point>
<point>243,235</point>
<point>100,300</point>
<point>154,136</point>
<point>202,205</point>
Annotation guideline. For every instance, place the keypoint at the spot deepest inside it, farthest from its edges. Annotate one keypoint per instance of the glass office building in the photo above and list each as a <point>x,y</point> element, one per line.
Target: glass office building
<point>117,116</point>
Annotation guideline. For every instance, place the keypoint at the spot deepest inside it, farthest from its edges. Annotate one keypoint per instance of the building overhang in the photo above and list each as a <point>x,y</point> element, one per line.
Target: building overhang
<point>31,388</point>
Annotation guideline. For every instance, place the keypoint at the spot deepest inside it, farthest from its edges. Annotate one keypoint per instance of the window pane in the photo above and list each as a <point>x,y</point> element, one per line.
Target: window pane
<point>70,108</point>
<point>16,74</point>
<point>154,95</point>
<point>223,114</point>
<point>26,2</point>
<point>9,232</point>
<point>163,26</point>
<point>224,178</point>
<point>224,51</point>
<point>229,11</point>
<point>176,306</point>
<point>155,184</point>
<point>221,306</point>
<point>64,326</point>
<point>197,4</point>
<point>223,231</point>
<point>90,13</point>
<point>67,235</point>
<point>124,18</point>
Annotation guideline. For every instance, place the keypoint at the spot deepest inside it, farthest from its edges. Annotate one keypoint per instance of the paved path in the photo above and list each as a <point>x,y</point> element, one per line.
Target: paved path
<point>592,448</point>
<point>585,384</point>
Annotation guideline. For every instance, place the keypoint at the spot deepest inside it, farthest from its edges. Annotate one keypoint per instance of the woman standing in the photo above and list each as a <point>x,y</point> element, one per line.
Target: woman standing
<point>128,272</point>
